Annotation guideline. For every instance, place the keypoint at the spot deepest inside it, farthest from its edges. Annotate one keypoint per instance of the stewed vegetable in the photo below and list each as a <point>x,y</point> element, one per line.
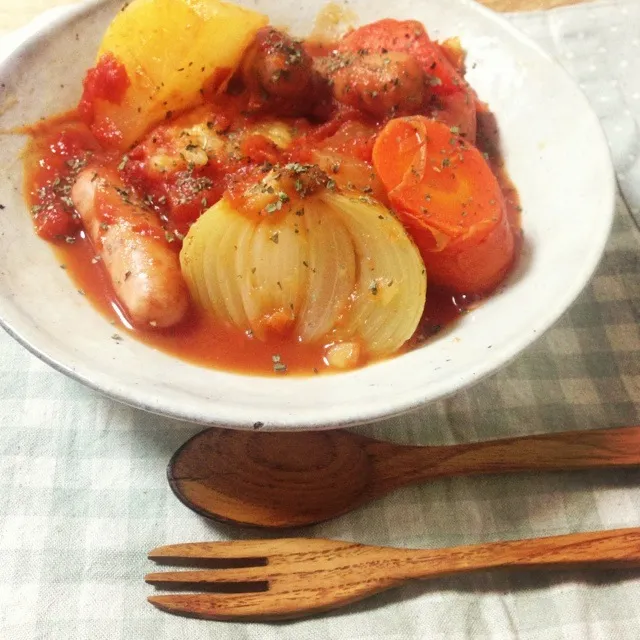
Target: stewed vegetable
<point>258,202</point>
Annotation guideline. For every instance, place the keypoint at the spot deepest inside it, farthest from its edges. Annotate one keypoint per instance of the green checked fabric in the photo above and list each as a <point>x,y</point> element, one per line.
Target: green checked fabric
<point>84,497</point>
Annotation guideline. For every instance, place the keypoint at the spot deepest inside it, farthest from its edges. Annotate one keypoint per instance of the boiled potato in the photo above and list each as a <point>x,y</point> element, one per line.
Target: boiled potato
<point>170,50</point>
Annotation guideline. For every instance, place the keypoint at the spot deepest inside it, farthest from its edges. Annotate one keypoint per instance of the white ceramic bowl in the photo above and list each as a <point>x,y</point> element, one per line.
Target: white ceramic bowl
<point>555,152</point>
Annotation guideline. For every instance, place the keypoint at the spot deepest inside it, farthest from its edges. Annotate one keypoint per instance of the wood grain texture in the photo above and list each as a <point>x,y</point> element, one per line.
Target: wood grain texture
<point>296,479</point>
<point>16,14</point>
<point>528,5</point>
<point>301,576</point>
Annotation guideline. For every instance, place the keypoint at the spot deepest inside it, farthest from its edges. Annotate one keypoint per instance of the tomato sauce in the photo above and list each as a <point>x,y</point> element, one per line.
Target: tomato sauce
<point>108,80</point>
<point>62,146</point>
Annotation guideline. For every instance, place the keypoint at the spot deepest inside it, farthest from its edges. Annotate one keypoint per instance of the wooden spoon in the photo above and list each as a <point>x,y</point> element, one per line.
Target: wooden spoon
<point>295,479</point>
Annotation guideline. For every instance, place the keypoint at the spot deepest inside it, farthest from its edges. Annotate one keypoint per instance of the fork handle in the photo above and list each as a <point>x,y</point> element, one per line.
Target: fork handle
<point>397,466</point>
<point>615,548</point>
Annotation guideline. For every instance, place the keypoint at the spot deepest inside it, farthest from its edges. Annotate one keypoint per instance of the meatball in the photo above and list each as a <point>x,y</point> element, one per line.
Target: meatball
<point>278,72</point>
<point>381,84</point>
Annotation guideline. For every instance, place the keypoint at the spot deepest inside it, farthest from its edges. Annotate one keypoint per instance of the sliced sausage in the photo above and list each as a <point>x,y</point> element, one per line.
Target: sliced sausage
<point>381,84</point>
<point>144,270</point>
<point>279,74</point>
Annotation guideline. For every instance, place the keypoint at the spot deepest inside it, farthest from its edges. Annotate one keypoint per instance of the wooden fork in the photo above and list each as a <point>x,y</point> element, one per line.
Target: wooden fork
<point>289,578</point>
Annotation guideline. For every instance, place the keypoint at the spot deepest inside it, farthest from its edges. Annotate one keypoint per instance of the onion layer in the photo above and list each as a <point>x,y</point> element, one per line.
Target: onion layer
<point>336,269</point>
<point>391,288</point>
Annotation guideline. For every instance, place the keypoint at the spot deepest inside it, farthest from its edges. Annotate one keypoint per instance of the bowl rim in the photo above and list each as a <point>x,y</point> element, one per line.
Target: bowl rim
<point>90,376</point>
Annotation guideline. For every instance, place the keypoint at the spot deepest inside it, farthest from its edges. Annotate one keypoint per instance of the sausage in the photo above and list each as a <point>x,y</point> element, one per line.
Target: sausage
<point>279,73</point>
<point>457,110</point>
<point>381,84</point>
<point>143,268</point>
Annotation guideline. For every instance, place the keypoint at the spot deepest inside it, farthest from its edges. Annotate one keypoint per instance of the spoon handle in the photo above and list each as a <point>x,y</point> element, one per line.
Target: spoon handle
<point>397,466</point>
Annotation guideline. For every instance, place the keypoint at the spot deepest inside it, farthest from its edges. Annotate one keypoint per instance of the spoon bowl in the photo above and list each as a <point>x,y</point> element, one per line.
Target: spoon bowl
<point>292,479</point>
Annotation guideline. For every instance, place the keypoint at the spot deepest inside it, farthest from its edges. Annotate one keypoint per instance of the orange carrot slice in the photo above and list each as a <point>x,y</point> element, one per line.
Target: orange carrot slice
<point>445,193</point>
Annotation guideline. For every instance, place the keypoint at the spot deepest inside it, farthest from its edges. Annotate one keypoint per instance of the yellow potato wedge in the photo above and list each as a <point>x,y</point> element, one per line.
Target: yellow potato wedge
<point>170,50</point>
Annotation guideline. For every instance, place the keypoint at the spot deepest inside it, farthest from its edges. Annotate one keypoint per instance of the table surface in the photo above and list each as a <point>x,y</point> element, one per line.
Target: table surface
<point>16,14</point>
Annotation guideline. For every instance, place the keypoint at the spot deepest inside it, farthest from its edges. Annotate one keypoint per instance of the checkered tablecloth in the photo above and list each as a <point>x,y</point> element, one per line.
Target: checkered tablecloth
<point>83,492</point>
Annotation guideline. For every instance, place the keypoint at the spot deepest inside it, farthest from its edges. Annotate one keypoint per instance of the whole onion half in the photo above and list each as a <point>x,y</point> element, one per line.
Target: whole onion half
<point>338,269</point>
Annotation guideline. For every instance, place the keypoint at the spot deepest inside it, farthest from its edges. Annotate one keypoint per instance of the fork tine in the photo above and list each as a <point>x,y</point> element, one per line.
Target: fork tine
<point>244,548</point>
<point>253,606</point>
<point>217,606</point>
<point>207,550</point>
<point>198,579</point>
